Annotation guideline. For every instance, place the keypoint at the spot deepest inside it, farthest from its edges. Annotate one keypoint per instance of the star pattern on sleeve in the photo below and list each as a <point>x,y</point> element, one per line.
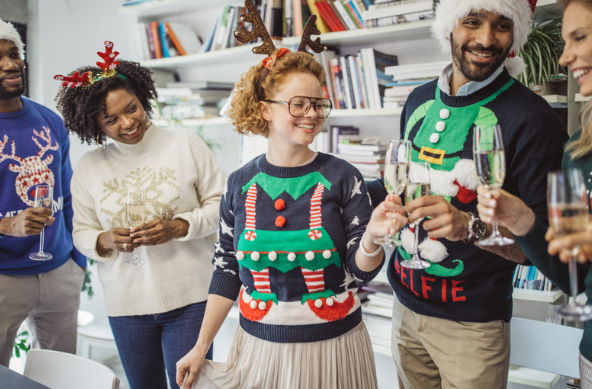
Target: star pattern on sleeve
<point>230,271</point>
<point>225,229</point>
<point>218,248</point>
<point>357,187</point>
<point>219,262</point>
<point>352,242</point>
<point>356,221</point>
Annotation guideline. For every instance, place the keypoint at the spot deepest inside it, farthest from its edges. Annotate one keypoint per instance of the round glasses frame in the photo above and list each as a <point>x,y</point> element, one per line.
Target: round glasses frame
<point>319,109</point>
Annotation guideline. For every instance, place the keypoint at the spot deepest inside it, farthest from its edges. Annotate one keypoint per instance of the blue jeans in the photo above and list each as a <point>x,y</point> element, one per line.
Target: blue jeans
<point>148,344</point>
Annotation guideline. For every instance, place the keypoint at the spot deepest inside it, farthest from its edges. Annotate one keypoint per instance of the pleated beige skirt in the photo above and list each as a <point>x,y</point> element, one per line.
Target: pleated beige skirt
<point>345,362</point>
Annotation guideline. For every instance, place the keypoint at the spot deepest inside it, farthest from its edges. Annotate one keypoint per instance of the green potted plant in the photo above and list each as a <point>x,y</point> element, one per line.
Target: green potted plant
<point>541,54</point>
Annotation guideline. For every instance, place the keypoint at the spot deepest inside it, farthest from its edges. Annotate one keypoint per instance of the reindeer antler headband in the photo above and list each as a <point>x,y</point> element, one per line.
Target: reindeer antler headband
<point>268,48</point>
<point>87,79</point>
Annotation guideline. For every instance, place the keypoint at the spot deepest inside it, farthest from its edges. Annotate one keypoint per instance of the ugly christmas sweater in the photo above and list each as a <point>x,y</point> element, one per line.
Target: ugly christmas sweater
<point>34,149</point>
<point>464,282</point>
<point>287,244</point>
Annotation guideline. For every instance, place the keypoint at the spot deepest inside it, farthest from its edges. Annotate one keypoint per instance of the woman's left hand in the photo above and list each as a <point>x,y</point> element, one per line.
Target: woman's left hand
<point>159,231</point>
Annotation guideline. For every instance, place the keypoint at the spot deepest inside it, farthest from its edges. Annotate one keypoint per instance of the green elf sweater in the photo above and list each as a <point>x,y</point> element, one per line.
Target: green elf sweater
<point>465,283</point>
<point>286,248</point>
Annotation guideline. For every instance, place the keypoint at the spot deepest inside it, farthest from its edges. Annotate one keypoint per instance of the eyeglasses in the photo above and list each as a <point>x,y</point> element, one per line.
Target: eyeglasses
<point>298,106</point>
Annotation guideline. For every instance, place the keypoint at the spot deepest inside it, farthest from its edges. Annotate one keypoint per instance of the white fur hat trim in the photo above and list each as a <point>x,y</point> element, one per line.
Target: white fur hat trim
<point>8,32</point>
<point>449,12</point>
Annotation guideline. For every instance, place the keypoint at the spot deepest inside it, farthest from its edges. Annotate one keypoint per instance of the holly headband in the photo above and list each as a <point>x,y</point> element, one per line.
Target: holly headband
<point>268,48</point>
<point>87,79</point>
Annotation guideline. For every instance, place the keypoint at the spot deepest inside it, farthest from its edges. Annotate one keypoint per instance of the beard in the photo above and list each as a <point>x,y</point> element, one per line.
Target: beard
<point>6,94</point>
<point>476,71</point>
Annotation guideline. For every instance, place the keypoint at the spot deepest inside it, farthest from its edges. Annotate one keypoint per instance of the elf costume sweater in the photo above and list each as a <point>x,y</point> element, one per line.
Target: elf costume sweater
<point>181,180</point>
<point>535,247</point>
<point>34,149</point>
<point>465,283</point>
<point>287,244</point>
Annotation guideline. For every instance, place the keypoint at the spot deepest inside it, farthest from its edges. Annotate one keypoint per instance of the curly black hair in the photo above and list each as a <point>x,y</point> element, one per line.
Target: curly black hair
<point>81,106</point>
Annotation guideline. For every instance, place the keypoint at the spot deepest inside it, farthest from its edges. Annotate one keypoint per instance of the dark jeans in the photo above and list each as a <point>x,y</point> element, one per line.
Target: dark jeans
<point>148,344</point>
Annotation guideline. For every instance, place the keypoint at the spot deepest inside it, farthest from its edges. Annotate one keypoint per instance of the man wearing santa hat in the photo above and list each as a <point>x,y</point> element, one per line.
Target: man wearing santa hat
<point>451,321</point>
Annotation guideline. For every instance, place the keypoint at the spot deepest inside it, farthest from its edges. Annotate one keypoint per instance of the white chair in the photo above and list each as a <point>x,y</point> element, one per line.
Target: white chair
<point>58,370</point>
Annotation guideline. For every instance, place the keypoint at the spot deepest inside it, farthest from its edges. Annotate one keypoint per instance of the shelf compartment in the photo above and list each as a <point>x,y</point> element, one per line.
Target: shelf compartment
<point>407,31</point>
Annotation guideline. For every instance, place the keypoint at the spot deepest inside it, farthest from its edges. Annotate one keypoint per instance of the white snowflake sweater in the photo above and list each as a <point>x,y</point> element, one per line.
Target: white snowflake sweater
<point>287,244</point>
<point>181,180</point>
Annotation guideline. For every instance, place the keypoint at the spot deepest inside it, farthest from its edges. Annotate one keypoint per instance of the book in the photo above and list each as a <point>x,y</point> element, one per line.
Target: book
<point>156,39</point>
<point>288,18</point>
<point>337,15</point>
<point>347,4</point>
<point>142,42</point>
<point>274,19</point>
<point>346,80</point>
<point>416,71</point>
<point>320,23</point>
<point>327,14</point>
<point>183,37</point>
<point>324,59</point>
<point>210,41</point>
<point>353,73</point>
<point>163,40</point>
<point>338,131</point>
<point>297,15</point>
<point>344,15</point>
<point>359,149</point>
<point>401,7</point>
<point>399,19</point>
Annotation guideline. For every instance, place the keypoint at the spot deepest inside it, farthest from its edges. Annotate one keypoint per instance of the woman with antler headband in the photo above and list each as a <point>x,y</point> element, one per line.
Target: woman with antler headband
<point>153,309</point>
<point>292,241</point>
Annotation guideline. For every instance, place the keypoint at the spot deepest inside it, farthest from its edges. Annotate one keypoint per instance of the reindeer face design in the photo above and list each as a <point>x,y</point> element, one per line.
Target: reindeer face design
<point>31,170</point>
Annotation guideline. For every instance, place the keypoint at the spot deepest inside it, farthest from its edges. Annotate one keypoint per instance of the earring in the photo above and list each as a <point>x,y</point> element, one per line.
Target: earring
<point>99,144</point>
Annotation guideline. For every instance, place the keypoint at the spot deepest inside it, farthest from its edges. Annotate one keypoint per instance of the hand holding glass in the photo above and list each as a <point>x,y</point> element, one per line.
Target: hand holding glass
<point>490,161</point>
<point>136,214</point>
<point>419,185</point>
<point>43,199</point>
<point>396,172</point>
<point>568,213</point>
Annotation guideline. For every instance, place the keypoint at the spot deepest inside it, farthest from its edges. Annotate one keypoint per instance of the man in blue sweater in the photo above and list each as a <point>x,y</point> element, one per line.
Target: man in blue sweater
<point>451,321</point>
<point>34,149</point>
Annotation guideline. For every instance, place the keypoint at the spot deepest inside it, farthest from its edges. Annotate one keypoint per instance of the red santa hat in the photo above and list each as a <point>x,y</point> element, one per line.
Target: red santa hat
<point>449,12</point>
<point>8,32</point>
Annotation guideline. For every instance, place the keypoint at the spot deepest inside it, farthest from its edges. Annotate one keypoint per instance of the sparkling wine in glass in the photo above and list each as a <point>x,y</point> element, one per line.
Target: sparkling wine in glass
<point>43,199</point>
<point>396,172</point>
<point>136,215</point>
<point>490,161</point>
<point>419,185</point>
<point>568,213</point>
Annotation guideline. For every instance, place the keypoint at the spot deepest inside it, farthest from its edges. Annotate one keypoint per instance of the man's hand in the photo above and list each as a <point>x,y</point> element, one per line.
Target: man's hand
<point>116,239</point>
<point>446,221</point>
<point>159,231</point>
<point>29,222</point>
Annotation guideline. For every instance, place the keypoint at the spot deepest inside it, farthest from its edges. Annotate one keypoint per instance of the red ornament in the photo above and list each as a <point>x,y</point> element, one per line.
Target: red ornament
<point>280,204</point>
<point>109,58</point>
<point>280,221</point>
<point>75,80</point>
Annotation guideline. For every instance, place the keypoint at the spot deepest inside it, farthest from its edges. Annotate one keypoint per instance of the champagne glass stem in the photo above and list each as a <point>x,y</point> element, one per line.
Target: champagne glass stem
<point>416,241</point>
<point>573,279</point>
<point>495,231</point>
<point>41,239</point>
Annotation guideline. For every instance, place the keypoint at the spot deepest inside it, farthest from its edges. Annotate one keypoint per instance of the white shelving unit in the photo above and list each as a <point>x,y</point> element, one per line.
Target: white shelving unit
<point>581,98</point>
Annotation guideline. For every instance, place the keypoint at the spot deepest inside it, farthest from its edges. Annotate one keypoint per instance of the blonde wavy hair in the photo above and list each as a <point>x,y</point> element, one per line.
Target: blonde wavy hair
<point>582,146</point>
<point>244,109</point>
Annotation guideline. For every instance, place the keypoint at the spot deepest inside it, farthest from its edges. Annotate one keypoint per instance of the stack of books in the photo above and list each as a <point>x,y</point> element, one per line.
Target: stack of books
<point>192,99</point>
<point>165,39</point>
<point>529,277</point>
<point>385,13</point>
<point>365,154</point>
<point>356,81</point>
<point>408,77</point>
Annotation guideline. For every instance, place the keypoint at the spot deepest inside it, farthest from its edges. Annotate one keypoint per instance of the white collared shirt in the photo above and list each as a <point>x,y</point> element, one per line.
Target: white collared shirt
<point>469,87</point>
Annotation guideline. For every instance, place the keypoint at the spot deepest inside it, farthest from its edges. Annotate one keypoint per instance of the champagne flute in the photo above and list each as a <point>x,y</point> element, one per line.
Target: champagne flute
<point>43,199</point>
<point>396,172</point>
<point>490,161</point>
<point>568,213</point>
<point>419,185</point>
<point>136,214</point>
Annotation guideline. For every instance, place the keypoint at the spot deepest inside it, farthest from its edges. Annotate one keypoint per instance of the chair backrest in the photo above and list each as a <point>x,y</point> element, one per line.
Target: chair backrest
<point>549,347</point>
<point>59,370</point>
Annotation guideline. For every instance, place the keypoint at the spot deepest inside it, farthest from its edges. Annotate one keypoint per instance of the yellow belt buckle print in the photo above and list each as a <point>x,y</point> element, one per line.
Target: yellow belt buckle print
<point>432,155</point>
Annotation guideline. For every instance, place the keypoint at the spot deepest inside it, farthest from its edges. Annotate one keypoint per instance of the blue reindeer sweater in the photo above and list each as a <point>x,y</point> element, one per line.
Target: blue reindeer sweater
<point>286,249</point>
<point>34,149</point>
<point>464,282</point>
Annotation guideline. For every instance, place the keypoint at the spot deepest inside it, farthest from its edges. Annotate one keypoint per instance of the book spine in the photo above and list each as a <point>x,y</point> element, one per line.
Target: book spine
<point>352,11</point>
<point>321,25</point>
<point>363,81</point>
<point>174,39</point>
<point>354,81</point>
<point>346,83</point>
<point>336,15</point>
<point>344,15</point>
<point>394,9</point>
<point>156,38</point>
<point>297,14</point>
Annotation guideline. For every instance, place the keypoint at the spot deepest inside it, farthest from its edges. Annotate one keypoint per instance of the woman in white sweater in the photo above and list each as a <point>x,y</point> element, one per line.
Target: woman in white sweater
<point>154,308</point>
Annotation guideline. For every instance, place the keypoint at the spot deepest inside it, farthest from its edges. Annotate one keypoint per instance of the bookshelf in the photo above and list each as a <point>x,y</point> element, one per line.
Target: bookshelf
<point>233,54</point>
